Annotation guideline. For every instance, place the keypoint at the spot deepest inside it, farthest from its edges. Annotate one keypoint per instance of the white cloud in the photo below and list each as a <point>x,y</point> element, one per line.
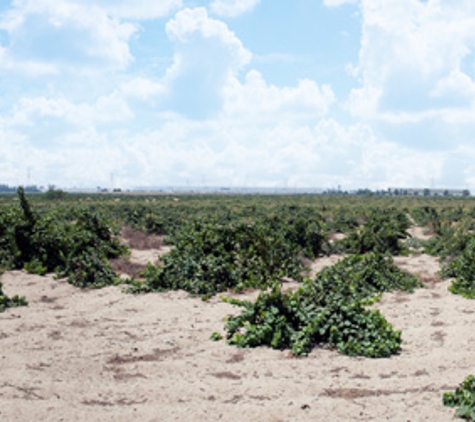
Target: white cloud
<point>211,120</point>
<point>256,100</point>
<point>191,24</point>
<point>392,165</point>
<point>123,9</point>
<point>232,8</point>
<point>289,153</point>
<point>30,111</point>
<point>136,9</point>
<point>204,76</point>
<point>207,56</point>
<point>26,67</point>
<point>412,58</point>
<point>235,149</point>
<point>336,3</point>
<point>142,88</point>
<point>456,83</point>
<point>54,35</point>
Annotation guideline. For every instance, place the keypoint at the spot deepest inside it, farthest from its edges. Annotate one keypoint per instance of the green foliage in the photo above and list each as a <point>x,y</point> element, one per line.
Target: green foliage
<point>209,258</point>
<point>301,227</point>
<point>90,269</point>
<point>8,248</point>
<point>23,230</point>
<point>53,194</point>
<point>361,276</point>
<point>450,241</point>
<point>77,244</point>
<point>86,252</point>
<point>216,336</point>
<point>327,310</point>
<point>425,216</point>
<point>306,235</point>
<point>462,269</point>
<point>30,217</point>
<point>381,232</point>
<point>343,220</point>
<point>6,302</point>
<point>35,267</point>
<point>463,398</point>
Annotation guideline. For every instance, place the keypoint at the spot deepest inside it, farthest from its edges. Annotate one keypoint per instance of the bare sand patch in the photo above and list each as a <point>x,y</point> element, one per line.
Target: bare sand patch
<point>421,233</point>
<point>321,262</point>
<point>104,355</point>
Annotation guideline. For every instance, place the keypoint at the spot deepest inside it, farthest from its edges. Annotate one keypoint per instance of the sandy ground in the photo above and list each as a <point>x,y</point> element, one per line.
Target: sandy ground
<point>419,232</point>
<point>103,355</point>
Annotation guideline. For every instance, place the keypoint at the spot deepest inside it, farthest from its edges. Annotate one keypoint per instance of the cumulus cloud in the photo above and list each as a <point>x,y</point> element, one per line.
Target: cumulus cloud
<point>194,25</point>
<point>288,153</point>
<point>142,88</point>
<point>33,111</point>
<point>55,35</point>
<point>232,8</point>
<point>207,55</point>
<point>210,120</point>
<point>255,99</point>
<point>413,58</point>
<point>220,151</point>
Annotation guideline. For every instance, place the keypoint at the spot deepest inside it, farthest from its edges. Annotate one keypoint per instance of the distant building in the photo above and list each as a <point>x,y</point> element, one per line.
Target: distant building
<point>428,192</point>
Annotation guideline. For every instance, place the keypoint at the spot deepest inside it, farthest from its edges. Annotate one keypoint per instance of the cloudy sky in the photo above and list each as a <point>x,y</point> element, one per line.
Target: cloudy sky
<point>302,93</point>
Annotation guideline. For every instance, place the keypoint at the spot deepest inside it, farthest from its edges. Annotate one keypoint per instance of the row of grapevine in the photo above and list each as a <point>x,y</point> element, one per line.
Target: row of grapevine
<point>230,243</point>
<point>77,246</point>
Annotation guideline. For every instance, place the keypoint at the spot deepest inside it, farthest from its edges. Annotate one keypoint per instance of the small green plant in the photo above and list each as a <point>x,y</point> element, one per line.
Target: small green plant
<point>35,267</point>
<point>463,398</point>
<point>6,302</point>
<point>216,336</point>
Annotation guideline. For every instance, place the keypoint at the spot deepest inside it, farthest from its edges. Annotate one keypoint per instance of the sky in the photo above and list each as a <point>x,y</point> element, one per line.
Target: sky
<point>255,93</point>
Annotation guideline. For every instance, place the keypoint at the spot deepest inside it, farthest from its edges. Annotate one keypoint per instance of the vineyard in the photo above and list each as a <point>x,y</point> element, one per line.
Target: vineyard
<point>297,275</point>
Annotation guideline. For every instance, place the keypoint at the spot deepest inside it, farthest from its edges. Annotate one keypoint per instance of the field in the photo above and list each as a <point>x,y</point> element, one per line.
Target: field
<point>104,337</point>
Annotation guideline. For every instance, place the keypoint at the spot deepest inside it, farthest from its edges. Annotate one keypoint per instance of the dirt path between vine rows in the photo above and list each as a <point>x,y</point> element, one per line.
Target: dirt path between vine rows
<point>102,355</point>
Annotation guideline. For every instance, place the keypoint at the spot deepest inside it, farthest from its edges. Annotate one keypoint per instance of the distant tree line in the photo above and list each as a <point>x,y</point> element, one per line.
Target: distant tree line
<point>12,189</point>
<point>402,192</point>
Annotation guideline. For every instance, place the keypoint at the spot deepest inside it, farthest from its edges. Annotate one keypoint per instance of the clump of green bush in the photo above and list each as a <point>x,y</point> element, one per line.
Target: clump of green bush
<point>463,398</point>
<point>329,309</point>
<point>209,257</point>
<point>462,269</point>
<point>449,242</point>
<point>78,247</point>
<point>381,232</point>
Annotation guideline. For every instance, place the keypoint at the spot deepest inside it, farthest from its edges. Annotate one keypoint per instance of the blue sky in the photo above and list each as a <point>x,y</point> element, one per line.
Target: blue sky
<point>302,93</point>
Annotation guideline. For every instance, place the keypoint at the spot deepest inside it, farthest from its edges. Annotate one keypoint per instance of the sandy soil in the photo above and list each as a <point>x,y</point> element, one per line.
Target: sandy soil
<point>76,355</point>
<point>142,257</point>
<point>419,232</point>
